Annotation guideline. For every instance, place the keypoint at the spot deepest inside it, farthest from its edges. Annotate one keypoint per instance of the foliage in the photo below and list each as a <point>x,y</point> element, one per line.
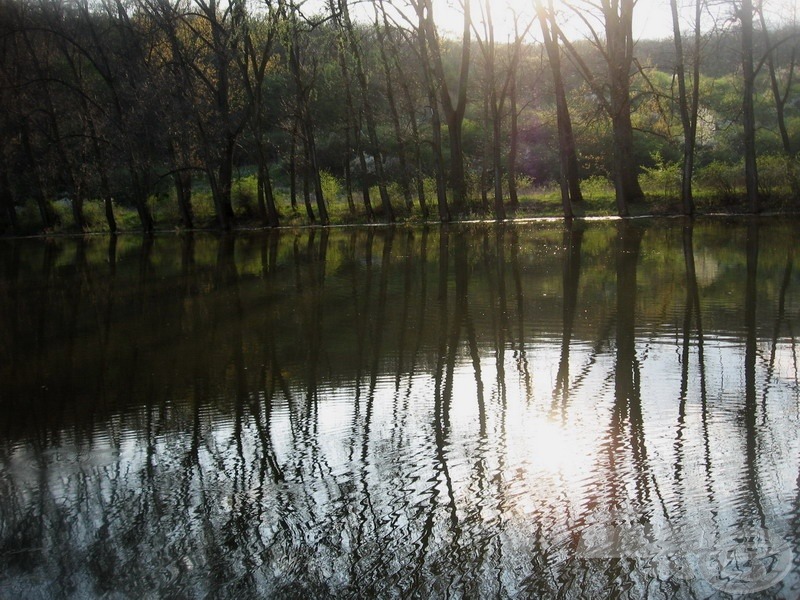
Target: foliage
<point>772,174</point>
<point>597,187</point>
<point>723,179</point>
<point>114,100</point>
<point>662,178</point>
<point>331,187</point>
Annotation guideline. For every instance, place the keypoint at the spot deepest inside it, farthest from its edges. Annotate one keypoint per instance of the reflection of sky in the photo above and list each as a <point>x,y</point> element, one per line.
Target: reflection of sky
<point>507,484</point>
<point>548,467</point>
<point>553,452</point>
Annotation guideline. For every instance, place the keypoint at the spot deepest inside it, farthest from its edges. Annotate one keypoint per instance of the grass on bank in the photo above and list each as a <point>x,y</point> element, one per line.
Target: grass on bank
<point>718,188</point>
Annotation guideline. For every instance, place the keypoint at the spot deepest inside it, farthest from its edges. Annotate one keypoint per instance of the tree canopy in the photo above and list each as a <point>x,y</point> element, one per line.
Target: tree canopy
<point>195,113</point>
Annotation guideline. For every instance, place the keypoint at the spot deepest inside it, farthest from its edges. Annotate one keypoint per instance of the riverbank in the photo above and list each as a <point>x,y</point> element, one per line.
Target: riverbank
<point>534,203</point>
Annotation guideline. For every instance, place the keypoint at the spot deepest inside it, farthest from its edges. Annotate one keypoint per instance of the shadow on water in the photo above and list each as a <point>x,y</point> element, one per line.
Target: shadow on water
<point>545,410</point>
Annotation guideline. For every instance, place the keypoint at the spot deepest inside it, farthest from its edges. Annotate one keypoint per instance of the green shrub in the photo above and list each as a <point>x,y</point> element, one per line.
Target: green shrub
<point>331,187</point>
<point>245,196</point>
<point>525,183</point>
<point>95,215</point>
<point>203,207</point>
<point>774,174</point>
<point>663,177</point>
<point>62,209</point>
<point>597,187</point>
<point>723,179</point>
<point>429,185</point>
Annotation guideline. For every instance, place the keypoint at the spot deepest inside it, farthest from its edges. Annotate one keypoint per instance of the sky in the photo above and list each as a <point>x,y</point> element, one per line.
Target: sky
<point>652,18</point>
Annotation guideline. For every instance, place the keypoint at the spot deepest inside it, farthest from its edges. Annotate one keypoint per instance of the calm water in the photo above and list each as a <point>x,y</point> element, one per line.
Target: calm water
<point>527,410</point>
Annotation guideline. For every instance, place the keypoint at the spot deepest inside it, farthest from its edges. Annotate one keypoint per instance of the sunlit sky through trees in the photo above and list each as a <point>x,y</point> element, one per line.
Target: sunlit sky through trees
<point>652,19</point>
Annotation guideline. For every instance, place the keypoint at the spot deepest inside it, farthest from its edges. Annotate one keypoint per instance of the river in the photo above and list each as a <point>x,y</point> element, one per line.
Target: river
<point>603,409</point>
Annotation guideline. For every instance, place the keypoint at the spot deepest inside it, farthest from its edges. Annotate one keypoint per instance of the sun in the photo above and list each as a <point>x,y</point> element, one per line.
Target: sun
<point>652,18</point>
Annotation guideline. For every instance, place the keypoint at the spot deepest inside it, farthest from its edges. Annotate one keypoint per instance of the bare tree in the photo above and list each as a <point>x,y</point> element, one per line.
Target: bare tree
<point>296,48</point>
<point>382,30</point>
<point>258,38</point>
<point>489,51</point>
<point>454,107</point>
<point>497,94</point>
<point>744,12</point>
<point>396,38</point>
<point>369,111</point>
<point>688,103</point>
<point>781,88</point>
<point>424,12</point>
<point>615,44</point>
<point>568,157</point>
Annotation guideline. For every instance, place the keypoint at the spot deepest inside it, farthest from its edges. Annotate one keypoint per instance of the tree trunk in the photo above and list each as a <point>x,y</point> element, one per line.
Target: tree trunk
<point>626,182</point>
<point>748,111</point>
<point>454,113</point>
<point>486,155</point>
<point>568,159</point>
<point>7,201</point>
<point>489,54</point>
<point>513,148</point>
<point>307,189</point>
<point>365,197</point>
<point>436,123</point>
<point>265,190</point>
<point>261,202</point>
<point>619,37</point>
<point>615,96</point>
<point>393,111</point>
<point>686,120</point>
<point>369,113</point>
<point>140,202</point>
<point>780,99</point>
<point>307,128</point>
<point>497,167</point>
<point>352,126</point>
<point>293,167</point>
<point>219,206</point>
<point>312,163</point>
<point>225,180</point>
<point>412,118</point>
<point>322,208</point>
<point>183,191</point>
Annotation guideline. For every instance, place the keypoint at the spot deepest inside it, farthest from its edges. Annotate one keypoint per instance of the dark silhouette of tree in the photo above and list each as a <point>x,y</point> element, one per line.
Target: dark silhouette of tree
<point>369,111</point>
<point>454,104</point>
<point>297,44</point>
<point>688,103</point>
<point>497,94</point>
<point>382,30</point>
<point>570,278</point>
<point>397,39</point>
<point>615,44</point>
<point>568,158</point>
<point>781,86</point>
<point>426,56</point>
<point>258,38</point>
<point>745,16</point>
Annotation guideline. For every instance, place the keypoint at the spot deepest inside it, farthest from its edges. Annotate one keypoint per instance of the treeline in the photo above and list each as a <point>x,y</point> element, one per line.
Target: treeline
<point>161,106</point>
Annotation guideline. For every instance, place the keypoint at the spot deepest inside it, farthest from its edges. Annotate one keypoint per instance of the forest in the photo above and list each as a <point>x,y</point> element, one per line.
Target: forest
<point>181,114</point>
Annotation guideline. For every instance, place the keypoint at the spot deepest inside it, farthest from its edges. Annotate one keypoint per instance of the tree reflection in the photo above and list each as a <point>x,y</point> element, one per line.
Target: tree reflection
<point>692,312</point>
<point>627,413</point>
<point>352,413</point>
<point>570,277</point>
<point>751,349</point>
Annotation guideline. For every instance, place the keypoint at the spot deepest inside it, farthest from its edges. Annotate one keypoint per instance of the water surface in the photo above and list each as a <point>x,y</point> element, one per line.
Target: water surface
<point>608,409</point>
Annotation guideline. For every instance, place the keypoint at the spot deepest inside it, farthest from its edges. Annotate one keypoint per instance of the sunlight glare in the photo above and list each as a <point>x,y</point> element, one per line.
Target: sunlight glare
<point>651,18</point>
